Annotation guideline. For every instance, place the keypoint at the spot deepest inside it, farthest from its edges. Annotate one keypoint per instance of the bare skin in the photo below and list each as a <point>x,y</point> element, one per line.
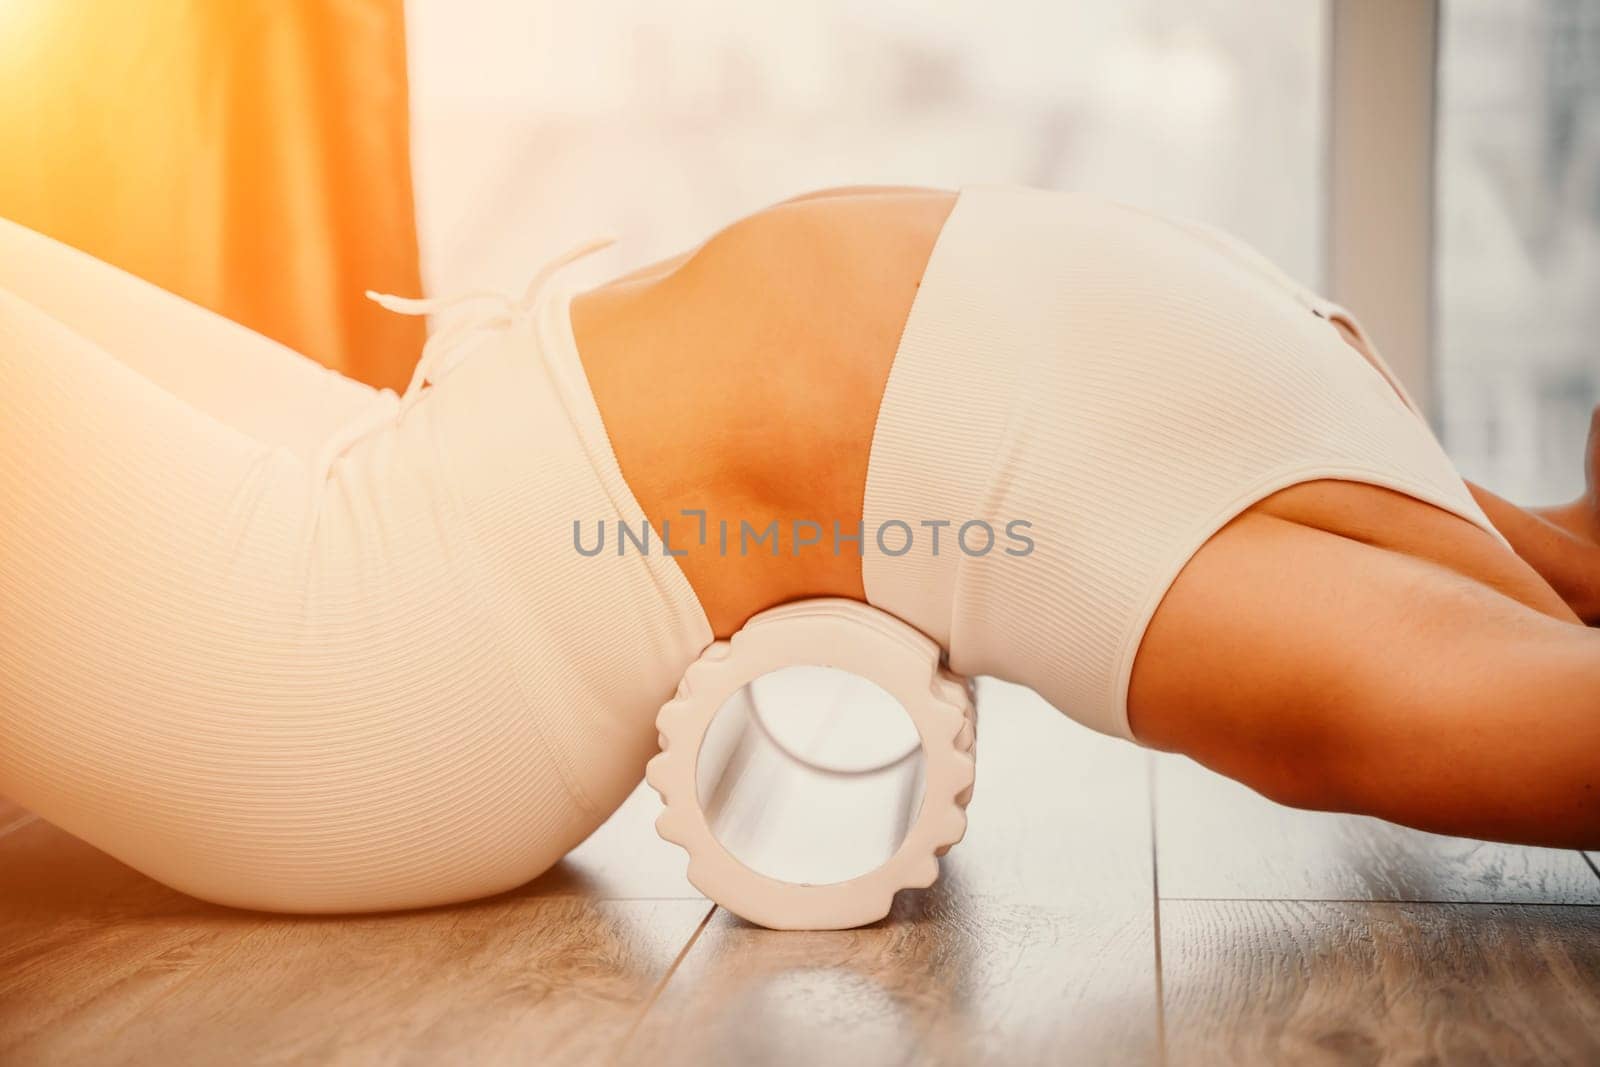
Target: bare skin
<point>743,378</point>
<point>1337,646</point>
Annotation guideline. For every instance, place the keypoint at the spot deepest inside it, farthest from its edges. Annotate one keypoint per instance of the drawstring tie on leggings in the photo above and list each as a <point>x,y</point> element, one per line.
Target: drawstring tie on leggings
<point>445,350</point>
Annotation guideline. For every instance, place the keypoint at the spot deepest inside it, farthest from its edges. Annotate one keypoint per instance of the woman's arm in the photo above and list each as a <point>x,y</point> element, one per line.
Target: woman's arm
<point>1561,543</point>
<point>1556,542</point>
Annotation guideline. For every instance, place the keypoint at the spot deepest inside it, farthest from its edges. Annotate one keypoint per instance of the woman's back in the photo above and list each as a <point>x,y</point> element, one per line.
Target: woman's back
<point>743,379</point>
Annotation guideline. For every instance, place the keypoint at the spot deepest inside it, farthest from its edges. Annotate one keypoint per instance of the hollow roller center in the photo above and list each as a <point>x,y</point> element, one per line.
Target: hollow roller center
<point>814,764</point>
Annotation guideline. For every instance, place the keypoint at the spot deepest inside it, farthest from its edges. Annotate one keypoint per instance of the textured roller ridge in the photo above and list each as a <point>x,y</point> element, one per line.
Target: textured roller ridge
<point>867,642</point>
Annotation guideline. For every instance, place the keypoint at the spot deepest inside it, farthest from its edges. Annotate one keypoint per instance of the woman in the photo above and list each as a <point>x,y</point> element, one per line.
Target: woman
<point>285,642</point>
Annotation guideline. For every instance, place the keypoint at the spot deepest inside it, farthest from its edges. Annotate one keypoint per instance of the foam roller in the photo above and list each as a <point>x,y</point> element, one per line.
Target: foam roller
<point>814,764</point>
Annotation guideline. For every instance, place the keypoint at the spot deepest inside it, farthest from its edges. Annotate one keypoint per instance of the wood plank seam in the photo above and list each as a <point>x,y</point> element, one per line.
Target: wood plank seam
<point>661,983</point>
<point>1155,910</point>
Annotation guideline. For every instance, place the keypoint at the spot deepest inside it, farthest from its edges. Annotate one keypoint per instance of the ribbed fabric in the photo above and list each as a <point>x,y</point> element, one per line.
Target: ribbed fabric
<point>390,684</point>
<point>1126,385</point>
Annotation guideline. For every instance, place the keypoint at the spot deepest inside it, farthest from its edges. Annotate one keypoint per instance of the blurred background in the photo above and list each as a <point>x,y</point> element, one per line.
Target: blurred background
<point>537,123</point>
<point>1517,287</point>
<point>664,122</point>
<point>1433,163</point>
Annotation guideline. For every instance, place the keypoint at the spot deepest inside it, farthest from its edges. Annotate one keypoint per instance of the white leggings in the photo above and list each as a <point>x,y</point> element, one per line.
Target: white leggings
<point>283,641</point>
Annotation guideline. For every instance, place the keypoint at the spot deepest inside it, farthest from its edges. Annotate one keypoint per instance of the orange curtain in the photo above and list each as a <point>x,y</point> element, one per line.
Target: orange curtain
<point>250,155</point>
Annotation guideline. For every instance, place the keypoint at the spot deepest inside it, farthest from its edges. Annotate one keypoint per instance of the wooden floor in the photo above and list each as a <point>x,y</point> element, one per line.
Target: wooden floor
<point>1107,906</point>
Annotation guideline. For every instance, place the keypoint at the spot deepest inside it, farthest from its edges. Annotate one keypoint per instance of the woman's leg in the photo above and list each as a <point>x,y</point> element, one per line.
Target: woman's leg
<point>1342,647</point>
<point>278,687</point>
<point>240,378</point>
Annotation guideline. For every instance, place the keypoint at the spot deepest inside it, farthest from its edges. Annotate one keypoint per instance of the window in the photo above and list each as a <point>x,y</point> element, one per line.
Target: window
<point>1518,240</point>
<point>538,124</point>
